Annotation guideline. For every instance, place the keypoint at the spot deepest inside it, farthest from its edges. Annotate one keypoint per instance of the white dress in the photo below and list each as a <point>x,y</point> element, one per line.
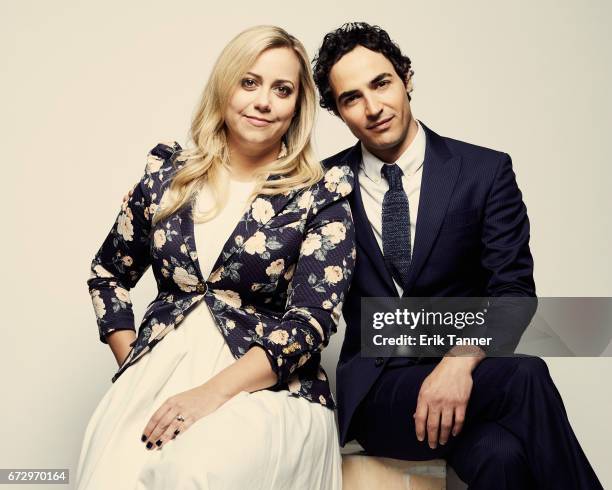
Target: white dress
<point>263,440</point>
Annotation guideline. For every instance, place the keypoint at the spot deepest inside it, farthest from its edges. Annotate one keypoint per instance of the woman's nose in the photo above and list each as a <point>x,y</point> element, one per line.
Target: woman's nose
<point>262,102</point>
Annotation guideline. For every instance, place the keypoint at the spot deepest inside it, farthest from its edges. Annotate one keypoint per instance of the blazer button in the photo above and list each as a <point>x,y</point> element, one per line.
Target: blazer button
<point>379,361</point>
<point>201,288</point>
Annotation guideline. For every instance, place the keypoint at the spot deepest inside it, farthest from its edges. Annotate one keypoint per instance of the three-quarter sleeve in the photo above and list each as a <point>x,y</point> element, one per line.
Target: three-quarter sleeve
<point>124,256</point>
<point>316,292</point>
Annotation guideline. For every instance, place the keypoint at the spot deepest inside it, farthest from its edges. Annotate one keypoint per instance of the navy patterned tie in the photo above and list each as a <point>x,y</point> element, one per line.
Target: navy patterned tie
<point>396,225</point>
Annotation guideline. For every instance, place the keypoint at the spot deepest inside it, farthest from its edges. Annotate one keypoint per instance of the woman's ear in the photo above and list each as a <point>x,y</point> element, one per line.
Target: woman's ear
<point>283,149</point>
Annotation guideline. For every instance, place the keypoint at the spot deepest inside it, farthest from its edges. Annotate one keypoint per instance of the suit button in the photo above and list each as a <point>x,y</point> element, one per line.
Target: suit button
<point>379,361</point>
<point>201,288</point>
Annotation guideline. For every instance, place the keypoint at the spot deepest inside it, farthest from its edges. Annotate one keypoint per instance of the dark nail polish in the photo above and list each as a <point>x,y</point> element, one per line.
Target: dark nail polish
<point>158,442</point>
<point>149,445</point>
<point>143,438</point>
<point>176,432</point>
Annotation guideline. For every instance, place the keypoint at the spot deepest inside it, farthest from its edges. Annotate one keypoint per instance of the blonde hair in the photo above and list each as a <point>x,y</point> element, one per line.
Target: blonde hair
<point>205,161</point>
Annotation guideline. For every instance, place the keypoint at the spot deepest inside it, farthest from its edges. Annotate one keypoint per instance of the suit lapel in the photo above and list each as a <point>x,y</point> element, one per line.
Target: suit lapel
<point>440,172</point>
<point>263,208</point>
<point>363,228</point>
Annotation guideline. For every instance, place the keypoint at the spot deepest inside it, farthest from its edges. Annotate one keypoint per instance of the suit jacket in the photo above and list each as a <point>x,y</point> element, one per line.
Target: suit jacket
<point>472,239</point>
<point>279,282</point>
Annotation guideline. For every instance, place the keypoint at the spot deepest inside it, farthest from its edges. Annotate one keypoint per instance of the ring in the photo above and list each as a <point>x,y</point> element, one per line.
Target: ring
<point>180,418</point>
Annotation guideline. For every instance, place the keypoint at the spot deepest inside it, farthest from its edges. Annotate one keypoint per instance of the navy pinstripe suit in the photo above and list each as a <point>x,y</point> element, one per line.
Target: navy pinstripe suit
<point>472,239</point>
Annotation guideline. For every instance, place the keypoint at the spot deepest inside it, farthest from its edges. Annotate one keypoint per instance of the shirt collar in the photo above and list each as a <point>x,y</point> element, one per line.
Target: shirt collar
<point>410,161</point>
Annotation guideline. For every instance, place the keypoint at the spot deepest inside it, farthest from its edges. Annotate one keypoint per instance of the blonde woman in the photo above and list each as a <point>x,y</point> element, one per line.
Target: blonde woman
<point>252,248</point>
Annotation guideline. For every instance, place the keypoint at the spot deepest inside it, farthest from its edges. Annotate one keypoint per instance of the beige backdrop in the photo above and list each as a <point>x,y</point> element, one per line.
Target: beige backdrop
<point>89,87</point>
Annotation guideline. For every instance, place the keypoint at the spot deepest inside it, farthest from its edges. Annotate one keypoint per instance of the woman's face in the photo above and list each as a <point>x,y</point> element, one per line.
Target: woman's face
<point>260,111</point>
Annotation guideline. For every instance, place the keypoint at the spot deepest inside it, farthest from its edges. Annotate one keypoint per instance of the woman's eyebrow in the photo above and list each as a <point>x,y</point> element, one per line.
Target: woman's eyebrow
<point>280,80</point>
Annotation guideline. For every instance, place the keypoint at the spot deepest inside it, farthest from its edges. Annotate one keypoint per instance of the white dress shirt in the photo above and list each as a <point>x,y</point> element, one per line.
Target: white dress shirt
<point>374,186</point>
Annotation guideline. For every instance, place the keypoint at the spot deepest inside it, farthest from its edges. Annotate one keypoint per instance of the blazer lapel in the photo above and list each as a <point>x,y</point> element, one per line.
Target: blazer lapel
<point>363,228</point>
<point>261,210</point>
<point>440,172</point>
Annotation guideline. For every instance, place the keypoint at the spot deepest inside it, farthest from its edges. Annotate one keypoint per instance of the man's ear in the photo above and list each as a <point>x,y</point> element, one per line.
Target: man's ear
<point>409,82</point>
<point>336,112</point>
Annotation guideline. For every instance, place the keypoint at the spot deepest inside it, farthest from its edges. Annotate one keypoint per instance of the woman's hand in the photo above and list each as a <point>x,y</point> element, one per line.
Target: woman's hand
<point>191,405</point>
<point>126,198</point>
<point>252,372</point>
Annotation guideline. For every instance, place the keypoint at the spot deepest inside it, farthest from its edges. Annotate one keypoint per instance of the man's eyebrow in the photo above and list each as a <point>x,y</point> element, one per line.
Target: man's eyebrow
<point>374,81</point>
<point>259,79</point>
<point>347,94</point>
<point>380,78</point>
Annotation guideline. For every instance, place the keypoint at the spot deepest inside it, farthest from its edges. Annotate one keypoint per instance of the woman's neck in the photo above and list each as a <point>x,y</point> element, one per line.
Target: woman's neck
<point>244,160</point>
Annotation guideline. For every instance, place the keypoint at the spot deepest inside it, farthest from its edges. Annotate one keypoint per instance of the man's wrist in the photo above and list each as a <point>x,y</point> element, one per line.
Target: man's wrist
<point>470,354</point>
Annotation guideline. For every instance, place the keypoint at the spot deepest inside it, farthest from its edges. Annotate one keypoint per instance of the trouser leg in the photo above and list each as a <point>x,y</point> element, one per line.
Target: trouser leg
<point>488,456</point>
<point>517,393</point>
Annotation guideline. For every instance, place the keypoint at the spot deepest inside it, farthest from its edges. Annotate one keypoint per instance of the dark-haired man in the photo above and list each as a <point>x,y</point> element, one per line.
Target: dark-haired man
<point>438,217</point>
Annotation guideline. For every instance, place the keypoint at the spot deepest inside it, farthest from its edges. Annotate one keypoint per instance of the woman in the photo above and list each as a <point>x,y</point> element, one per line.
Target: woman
<point>252,248</point>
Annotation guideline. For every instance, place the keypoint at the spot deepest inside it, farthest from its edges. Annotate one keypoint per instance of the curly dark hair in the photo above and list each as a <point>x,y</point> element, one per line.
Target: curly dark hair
<point>343,40</point>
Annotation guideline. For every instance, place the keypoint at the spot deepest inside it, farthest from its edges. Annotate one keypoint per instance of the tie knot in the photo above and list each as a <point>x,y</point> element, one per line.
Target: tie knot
<point>393,174</point>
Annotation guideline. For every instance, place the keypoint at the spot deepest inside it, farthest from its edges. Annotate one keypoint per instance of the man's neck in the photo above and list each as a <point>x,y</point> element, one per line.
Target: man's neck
<point>393,154</point>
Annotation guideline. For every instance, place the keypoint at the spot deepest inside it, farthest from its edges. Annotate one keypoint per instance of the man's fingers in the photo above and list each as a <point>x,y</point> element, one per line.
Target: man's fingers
<point>420,420</point>
<point>433,426</point>
<point>446,425</point>
<point>459,419</point>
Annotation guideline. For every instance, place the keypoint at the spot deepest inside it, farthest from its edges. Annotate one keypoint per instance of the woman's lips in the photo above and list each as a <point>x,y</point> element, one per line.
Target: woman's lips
<point>256,121</point>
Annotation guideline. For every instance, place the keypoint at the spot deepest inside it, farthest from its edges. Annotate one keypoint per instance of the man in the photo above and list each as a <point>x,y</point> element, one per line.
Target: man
<point>438,217</point>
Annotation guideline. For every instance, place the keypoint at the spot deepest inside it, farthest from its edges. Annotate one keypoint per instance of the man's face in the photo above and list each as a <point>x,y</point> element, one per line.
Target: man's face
<point>371,99</point>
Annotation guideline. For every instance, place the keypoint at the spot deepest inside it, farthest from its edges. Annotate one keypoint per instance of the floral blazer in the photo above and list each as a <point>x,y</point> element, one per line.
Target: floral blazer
<point>279,282</point>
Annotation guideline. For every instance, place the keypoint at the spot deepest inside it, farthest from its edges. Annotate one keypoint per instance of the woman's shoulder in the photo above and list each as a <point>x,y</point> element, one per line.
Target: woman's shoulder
<point>337,183</point>
<point>162,161</point>
<point>161,154</point>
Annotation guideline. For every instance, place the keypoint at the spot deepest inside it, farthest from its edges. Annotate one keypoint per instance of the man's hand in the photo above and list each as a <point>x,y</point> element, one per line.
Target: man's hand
<point>443,399</point>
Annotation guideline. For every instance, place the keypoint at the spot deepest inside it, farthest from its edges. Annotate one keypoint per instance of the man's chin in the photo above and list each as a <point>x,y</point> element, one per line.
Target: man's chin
<point>382,144</point>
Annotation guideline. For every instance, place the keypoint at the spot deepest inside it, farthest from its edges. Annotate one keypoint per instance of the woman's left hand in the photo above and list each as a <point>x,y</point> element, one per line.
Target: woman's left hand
<point>192,405</point>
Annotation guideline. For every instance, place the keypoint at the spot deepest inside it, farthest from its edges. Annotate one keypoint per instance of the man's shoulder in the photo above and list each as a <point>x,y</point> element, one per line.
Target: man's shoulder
<point>338,158</point>
<point>472,151</point>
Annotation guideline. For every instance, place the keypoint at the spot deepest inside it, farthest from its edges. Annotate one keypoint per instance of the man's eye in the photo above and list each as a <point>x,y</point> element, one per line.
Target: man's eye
<point>382,83</point>
<point>350,99</point>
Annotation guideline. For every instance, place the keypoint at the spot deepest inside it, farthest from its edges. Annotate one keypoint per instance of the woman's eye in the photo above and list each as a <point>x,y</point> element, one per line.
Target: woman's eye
<point>284,91</point>
<point>248,83</point>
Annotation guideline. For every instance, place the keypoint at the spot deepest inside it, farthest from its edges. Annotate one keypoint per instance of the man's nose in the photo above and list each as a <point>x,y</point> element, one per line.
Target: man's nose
<point>373,107</point>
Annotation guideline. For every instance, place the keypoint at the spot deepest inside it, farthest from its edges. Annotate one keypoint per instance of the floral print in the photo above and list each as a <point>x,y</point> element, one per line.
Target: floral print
<point>279,282</point>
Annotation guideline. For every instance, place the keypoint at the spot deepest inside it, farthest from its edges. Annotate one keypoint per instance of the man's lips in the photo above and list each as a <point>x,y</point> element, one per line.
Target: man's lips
<point>380,124</point>
<point>257,121</point>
